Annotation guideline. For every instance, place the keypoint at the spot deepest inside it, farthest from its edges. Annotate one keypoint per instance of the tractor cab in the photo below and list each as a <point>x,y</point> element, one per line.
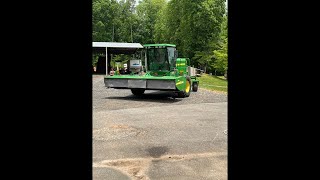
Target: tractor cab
<point>160,58</point>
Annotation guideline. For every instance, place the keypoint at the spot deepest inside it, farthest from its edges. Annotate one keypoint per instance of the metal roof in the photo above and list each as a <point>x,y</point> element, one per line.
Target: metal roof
<point>150,45</point>
<point>116,45</point>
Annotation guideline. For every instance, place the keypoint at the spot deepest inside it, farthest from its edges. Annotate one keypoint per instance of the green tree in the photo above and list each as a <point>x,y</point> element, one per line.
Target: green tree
<point>194,24</point>
<point>148,12</point>
<point>114,20</point>
<point>125,21</point>
<point>161,32</point>
<point>221,55</point>
<point>104,16</point>
<point>221,59</point>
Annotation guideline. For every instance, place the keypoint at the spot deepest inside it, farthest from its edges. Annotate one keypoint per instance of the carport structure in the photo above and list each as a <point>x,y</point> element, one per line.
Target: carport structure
<point>109,48</point>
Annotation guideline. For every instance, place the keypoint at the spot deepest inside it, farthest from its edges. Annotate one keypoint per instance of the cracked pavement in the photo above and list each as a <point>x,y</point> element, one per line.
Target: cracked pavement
<point>156,137</point>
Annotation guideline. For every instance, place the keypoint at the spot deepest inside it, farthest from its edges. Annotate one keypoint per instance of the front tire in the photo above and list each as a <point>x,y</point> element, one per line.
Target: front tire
<point>137,92</point>
<point>186,92</point>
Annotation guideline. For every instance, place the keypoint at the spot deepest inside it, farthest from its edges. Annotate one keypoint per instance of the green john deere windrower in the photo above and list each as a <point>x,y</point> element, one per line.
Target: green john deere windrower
<point>163,70</point>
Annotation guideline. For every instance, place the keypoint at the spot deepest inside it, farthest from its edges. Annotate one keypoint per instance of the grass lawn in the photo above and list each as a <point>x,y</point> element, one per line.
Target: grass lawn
<point>214,83</point>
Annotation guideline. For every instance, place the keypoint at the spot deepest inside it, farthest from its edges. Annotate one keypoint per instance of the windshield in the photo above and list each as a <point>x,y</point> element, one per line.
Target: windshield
<point>157,59</point>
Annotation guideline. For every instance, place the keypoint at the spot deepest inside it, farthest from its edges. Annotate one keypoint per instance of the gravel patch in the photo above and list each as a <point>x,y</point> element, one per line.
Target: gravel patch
<point>113,99</point>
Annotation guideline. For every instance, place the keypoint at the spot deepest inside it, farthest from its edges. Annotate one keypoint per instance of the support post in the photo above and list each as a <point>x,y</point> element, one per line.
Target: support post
<point>106,61</point>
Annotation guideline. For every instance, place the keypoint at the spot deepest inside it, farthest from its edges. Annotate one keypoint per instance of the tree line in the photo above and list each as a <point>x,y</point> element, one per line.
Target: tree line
<point>199,28</point>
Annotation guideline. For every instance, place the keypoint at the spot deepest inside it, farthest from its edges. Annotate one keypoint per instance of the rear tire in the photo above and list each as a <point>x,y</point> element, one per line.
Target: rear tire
<point>137,92</point>
<point>195,87</point>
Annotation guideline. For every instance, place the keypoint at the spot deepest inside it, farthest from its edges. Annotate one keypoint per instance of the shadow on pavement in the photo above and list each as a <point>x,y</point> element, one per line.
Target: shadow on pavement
<point>159,96</point>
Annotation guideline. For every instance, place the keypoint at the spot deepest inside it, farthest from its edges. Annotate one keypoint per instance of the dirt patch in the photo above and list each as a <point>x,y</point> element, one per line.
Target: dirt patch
<point>134,168</point>
<point>120,127</point>
<point>116,132</point>
<point>215,91</point>
<point>121,163</point>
